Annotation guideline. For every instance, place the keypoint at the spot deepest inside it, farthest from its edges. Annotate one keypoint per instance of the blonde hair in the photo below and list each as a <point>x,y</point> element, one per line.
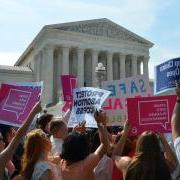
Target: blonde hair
<point>35,144</point>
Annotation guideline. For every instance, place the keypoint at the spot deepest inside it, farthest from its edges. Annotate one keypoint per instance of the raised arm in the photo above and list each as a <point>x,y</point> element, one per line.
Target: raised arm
<point>10,149</point>
<point>118,150</point>
<point>100,118</point>
<point>175,120</point>
<point>169,154</point>
<point>175,123</point>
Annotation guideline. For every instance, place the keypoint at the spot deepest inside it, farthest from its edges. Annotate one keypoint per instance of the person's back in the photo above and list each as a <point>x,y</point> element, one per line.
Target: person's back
<point>41,167</point>
<point>81,170</point>
<point>77,163</point>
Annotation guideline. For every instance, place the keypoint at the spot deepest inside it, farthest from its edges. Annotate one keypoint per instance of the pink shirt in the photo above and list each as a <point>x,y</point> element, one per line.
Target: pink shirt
<point>82,170</point>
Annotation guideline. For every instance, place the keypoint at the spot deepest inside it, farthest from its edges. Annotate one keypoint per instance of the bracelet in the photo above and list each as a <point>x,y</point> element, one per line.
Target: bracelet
<point>178,101</point>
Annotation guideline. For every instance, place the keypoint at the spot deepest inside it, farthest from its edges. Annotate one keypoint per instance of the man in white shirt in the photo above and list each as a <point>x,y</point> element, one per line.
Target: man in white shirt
<point>58,131</point>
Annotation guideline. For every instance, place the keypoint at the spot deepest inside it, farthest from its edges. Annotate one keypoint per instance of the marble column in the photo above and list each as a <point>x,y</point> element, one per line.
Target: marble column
<point>139,67</point>
<point>80,73</point>
<point>134,65</point>
<point>145,65</point>
<point>65,60</point>
<point>59,72</point>
<point>37,67</point>
<point>109,66</point>
<point>94,64</point>
<point>122,68</point>
<point>48,74</point>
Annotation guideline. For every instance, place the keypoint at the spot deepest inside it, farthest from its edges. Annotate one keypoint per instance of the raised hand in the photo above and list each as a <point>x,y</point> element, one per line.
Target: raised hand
<point>100,117</point>
<point>80,128</point>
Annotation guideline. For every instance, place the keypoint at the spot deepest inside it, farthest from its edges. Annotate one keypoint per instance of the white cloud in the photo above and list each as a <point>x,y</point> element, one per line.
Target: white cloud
<point>137,15</point>
<point>9,58</point>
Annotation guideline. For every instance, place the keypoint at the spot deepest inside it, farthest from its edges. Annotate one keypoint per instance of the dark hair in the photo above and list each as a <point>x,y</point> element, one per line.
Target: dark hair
<point>43,120</point>
<point>149,163</point>
<point>55,125</point>
<point>5,129</point>
<point>75,147</point>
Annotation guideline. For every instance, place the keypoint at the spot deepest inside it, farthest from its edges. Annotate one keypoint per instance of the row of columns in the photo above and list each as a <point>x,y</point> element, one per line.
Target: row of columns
<point>80,54</point>
<point>47,64</point>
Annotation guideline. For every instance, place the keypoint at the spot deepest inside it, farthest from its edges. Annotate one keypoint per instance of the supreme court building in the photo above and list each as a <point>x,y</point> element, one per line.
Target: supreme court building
<point>76,48</point>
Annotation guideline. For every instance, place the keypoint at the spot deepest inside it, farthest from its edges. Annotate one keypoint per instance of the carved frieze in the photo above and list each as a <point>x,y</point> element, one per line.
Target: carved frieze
<point>104,29</point>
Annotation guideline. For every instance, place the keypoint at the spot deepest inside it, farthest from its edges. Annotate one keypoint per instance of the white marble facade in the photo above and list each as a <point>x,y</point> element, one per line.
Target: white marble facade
<point>76,48</point>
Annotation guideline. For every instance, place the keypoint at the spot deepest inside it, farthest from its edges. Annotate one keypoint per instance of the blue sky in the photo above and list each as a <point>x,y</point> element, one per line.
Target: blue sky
<point>155,20</point>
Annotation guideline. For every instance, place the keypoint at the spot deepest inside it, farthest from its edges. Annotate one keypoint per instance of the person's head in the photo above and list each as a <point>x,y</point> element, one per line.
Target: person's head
<point>43,122</point>
<point>2,144</point>
<point>148,145</point>
<point>8,133</point>
<point>149,163</point>
<point>75,147</point>
<point>58,129</point>
<point>36,145</point>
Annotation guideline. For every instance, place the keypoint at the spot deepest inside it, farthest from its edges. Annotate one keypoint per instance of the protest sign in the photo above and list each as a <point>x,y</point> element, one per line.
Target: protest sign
<point>38,85</point>
<point>86,101</point>
<point>115,105</point>
<point>69,82</point>
<point>16,103</point>
<point>166,75</point>
<point>150,113</point>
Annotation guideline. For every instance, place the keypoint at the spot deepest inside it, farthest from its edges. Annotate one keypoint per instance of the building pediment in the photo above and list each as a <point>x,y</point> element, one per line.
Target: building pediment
<point>101,27</point>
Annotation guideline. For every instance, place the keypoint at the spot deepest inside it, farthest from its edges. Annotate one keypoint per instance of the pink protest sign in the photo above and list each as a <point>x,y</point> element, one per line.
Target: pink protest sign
<point>150,113</point>
<point>16,103</point>
<point>69,82</point>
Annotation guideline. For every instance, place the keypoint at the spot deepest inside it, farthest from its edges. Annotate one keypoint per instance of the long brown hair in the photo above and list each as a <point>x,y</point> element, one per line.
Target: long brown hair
<point>149,162</point>
<point>35,144</point>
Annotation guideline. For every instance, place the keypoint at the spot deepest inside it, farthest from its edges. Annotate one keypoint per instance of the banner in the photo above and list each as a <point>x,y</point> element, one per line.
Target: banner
<point>16,103</point>
<point>115,105</point>
<point>166,75</point>
<point>150,113</point>
<point>86,101</point>
<point>68,82</point>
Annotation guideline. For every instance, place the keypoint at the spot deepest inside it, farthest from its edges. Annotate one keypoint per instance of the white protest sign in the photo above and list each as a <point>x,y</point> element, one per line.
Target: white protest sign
<point>85,102</point>
<point>115,105</point>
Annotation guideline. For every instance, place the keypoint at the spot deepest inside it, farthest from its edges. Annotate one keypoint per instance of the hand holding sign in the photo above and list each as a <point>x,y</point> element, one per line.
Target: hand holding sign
<point>100,117</point>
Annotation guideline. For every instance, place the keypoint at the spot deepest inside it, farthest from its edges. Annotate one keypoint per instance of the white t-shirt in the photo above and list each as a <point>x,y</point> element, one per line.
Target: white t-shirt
<point>56,146</point>
<point>174,146</point>
<point>177,148</point>
<point>42,166</point>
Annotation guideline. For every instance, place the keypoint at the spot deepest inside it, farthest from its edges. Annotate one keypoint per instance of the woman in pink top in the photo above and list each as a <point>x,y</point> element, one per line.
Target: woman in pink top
<point>77,163</point>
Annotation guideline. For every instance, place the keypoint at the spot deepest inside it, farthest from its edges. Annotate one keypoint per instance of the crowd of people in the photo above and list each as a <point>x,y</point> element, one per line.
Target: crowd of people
<point>51,150</point>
